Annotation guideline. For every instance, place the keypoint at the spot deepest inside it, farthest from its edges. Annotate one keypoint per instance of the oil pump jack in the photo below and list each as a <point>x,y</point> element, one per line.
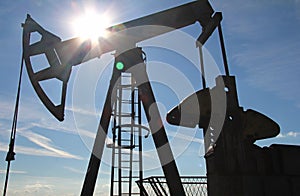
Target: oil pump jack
<point>62,55</point>
<point>235,166</point>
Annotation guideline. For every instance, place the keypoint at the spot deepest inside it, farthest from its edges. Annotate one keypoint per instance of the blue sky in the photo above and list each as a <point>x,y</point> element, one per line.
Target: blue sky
<point>263,46</point>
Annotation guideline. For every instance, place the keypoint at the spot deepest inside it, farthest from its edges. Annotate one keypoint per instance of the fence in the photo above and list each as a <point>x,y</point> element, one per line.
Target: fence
<point>157,186</point>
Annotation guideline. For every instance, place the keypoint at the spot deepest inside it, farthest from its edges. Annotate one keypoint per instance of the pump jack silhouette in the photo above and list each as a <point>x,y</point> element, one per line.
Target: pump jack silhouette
<point>235,165</point>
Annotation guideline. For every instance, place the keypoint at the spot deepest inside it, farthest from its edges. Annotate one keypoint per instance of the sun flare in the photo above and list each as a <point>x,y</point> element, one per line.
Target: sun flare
<point>91,25</point>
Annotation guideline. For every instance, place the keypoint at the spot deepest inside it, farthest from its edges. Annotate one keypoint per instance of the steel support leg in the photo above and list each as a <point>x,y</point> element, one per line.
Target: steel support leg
<point>158,131</point>
<point>95,159</point>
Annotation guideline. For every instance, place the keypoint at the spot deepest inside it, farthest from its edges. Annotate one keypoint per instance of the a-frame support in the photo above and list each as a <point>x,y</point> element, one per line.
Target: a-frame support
<point>133,62</point>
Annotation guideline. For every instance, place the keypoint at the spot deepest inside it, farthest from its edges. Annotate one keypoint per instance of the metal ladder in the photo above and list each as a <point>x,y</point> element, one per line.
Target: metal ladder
<point>126,166</point>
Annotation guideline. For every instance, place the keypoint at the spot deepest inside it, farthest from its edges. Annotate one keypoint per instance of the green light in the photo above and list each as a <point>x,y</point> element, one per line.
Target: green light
<point>119,65</point>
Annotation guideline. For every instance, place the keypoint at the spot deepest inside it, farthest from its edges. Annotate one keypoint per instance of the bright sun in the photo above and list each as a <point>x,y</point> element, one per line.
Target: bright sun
<point>91,25</point>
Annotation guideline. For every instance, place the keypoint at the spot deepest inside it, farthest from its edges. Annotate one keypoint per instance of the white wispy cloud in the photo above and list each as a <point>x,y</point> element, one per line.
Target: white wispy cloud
<point>33,190</point>
<point>103,189</point>
<point>37,187</point>
<point>293,134</point>
<point>186,137</point>
<point>82,111</point>
<point>46,143</point>
<point>35,115</point>
<point>20,149</point>
<point>30,117</point>
<point>13,171</point>
<point>63,128</point>
<point>27,185</point>
<point>289,134</point>
<point>74,170</point>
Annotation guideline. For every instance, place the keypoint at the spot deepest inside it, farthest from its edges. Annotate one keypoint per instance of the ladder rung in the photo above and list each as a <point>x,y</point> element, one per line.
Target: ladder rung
<point>129,131</point>
<point>123,153</point>
<point>127,101</point>
<point>122,146</point>
<point>129,177</point>
<point>125,181</point>
<point>128,147</point>
<point>124,115</point>
<point>126,85</point>
<point>125,131</point>
<point>125,140</point>
<point>130,161</point>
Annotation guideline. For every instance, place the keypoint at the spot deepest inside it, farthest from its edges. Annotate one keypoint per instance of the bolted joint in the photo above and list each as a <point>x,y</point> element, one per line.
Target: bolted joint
<point>10,156</point>
<point>128,59</point>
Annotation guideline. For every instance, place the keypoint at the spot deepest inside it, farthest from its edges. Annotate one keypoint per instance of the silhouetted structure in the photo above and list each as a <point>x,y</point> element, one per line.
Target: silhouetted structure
<point>235,165</point>
<point>62,55</point>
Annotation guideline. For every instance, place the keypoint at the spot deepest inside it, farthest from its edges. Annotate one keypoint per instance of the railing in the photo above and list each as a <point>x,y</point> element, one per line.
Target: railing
<point>157,186</point>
